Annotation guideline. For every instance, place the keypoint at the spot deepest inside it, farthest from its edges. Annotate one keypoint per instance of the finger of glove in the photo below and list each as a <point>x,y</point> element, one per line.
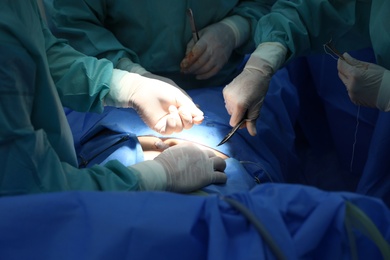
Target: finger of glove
<point>218,163</point>
<point>184,61</point>
<point>189,105</point>
<point>350,60</point>
<point>219,177</point>
<point>183,151</point>
<point>344,79</point>
<point>170,123</point>
<point>235,109</point>
<point>192,56</point>
<point>165,125</point>
<point>349,74</point>
<point>209,153</point>
<point>345,69</point>
<point>202,64</point>
<point>161,146</point>
<point>251,127</point>
<point>189,47</point>
<point>255,108</point>
<point>174,122</point>
<point>186,147</point>
<point>200,47</point>
<point>237,116</point>
<point>186,117</point>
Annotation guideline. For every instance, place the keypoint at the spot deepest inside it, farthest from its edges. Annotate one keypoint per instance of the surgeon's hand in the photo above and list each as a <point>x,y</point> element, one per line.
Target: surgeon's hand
<point>244,96</point>
<point>163,107</point>
<point>166,80</point>
<point>206,57</point>
<point>362,80</point>
<point>181,168</point>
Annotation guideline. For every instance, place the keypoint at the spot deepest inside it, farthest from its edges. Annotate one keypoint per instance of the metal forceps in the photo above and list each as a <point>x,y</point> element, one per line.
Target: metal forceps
<point>332,51</point>
<point>232,132</point>
<point>195,35</point>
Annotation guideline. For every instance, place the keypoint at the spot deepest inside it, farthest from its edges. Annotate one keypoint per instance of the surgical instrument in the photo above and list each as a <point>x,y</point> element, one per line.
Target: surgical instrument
<point>331,50</point>
<point>232,132</point>
<point>195,35</point>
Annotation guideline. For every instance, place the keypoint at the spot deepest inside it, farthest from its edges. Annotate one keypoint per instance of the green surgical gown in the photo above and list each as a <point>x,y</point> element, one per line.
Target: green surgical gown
<point>304,26</point>
<point>36,145</point>
<point>152,33</point>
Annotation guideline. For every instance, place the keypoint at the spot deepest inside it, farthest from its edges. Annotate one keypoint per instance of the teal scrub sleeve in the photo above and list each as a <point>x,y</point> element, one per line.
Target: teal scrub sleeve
<point>83,25</point>
<point>30,165</point>
<point>303,27</point>
<point>82,82</point>
<point>30,162</point>
<point>36,145</point>
<point>252,11</point>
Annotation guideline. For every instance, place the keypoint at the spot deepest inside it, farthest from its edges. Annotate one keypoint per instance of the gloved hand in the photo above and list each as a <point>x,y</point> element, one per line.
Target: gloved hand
<point>244,96</point>
<point>163,107</point>
<point>362,80</point>
<point>216,43</point>
<point>181,168</point>
<point>164,79</point>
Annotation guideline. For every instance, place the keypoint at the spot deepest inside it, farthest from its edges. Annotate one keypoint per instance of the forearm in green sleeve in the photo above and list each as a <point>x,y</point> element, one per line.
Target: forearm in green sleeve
<point>81,81</point>
<point>83,85</point>
<point>85,30</point>
<point>113,176</point>
<point>291,24</point>
<point>34,167</point>
<point>286,30</point>
<point>251,11</point>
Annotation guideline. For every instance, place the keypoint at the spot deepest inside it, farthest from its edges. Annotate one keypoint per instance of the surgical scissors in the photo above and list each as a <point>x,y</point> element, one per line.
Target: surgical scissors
<point>232,132</point>
<point>195,35</point>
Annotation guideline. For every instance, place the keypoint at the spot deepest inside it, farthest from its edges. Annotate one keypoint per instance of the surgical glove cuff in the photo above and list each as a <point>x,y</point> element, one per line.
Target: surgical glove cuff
<point>151,175</point>
<point>383,101</point>
<point>123,85</point>
<point>240,27</point>
<point>127,65</point>
<point>272,54</point>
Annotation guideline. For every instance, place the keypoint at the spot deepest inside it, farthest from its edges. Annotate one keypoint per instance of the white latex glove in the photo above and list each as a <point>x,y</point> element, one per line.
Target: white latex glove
<point>244,96</point>
<point>163,107</point>
<point>128,65</point>
<point>362,79</point>
<point>164,79</point>
<point>206,57</point>
<point>181,168</point>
